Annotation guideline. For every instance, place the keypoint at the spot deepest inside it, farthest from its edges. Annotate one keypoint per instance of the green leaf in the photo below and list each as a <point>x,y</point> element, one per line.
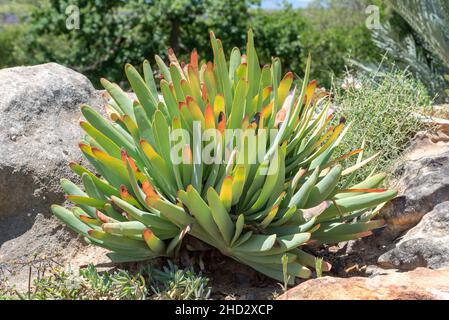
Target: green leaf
<point>220,215</point>
<point>70,220</point>
<point>257,243</point>
<point>141,90</point>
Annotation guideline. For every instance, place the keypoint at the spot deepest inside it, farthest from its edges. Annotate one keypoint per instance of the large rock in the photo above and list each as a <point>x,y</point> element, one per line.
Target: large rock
<point>423,284</point>
<point>425,245</point>
<point>423,183</point>
<point>39,131</point>
<point>422,178</point>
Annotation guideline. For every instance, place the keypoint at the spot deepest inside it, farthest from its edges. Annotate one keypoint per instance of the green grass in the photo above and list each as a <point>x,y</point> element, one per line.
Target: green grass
<point>382,113</point>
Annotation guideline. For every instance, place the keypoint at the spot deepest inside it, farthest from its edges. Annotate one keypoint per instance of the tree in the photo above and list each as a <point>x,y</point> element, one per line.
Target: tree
<point>116,32</point>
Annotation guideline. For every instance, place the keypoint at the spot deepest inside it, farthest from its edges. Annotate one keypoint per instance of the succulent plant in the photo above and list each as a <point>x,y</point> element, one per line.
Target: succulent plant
<point>258,207</point>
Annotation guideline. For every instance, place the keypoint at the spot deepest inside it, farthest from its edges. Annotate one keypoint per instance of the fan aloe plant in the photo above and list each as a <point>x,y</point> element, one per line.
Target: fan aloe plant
<point>258,207</point>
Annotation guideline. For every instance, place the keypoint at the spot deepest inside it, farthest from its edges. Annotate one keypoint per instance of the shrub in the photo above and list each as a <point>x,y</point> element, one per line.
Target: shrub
<point>382,113</point>
<point>335,33</point>
<point>416,35</point>
<point>281,33</point>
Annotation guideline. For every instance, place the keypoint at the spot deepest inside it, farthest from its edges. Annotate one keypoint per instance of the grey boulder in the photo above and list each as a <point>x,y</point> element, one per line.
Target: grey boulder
<point>39,132</point>
<point>422,179</point>
<point>423,183</point>
<point>425,245</point>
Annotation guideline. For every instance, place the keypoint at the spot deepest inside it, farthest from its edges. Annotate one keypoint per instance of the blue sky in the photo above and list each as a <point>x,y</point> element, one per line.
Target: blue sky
<point>275,4</point>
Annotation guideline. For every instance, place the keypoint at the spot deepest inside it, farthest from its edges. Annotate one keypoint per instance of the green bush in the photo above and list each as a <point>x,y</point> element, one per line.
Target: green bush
<point>116,32</point>
<point>415,34</point>
<point>280,33</point>
<point>335,32</point>
<point>10,54</point>
<point>172,283</point>
<point>381,111</point>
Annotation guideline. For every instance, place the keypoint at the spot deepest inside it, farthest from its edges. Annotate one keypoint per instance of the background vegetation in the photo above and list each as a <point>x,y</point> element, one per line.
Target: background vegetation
<point>115,32</point>
<point>414,33</point>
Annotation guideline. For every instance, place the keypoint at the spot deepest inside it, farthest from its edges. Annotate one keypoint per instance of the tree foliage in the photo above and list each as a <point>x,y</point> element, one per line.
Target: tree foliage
<point>116,32</point>
<point>416,34</point>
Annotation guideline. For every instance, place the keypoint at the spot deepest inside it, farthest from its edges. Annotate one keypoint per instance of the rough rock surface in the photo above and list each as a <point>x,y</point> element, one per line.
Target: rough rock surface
<point>425,245</point>
<point>423,183</point>
<point>421,284</point>
<point>39,131</point>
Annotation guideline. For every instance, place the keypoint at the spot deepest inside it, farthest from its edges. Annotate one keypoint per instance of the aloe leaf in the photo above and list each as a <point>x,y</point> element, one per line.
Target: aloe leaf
<point>70,220</point>
<point>369,183</point>
<point>299,199</point>
<point>325,187</point>
<point>72,189</point>
<point>127,228</point>
<point>91,188</point>
<point>222,70</point>
<point>220,215</point>
<point>202,213</point>
<point>257,243</point>
<point>355,203</point>
<point>87,201</point>
<point>153,242</point>
<point>141,90</point>
<point>149,219</point>
<point>118,243</point>
<point>234,62</point>
<point>97,121</point>
<point>102,185</point>
<point>149,78</point>
<point>120,97</point>
<point>238,105</point>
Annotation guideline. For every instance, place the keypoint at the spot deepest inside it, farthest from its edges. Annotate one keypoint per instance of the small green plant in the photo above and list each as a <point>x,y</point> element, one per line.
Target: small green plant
<point>232,155</point>
<point>172,283</point>
<point>319,267</point>
<point>285,272</point>
<point>90,284</point>
<point>383,109</point>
